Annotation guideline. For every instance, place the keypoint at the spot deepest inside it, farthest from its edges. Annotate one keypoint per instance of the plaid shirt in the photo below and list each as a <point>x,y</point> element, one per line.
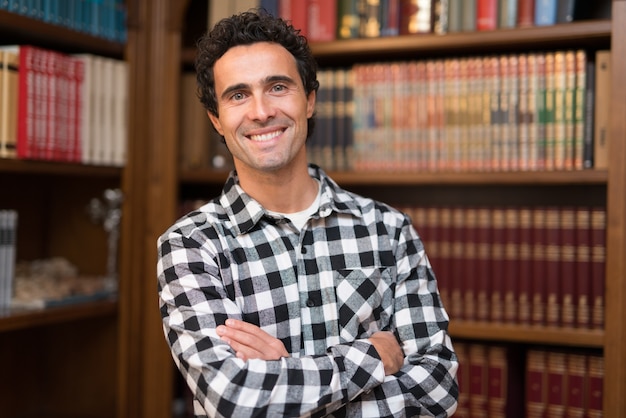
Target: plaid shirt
<point>357,267</point>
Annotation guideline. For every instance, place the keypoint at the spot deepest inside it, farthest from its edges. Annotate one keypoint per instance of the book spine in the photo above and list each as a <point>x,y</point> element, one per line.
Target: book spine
<point>525,13</point>
<point>594,392</point>
<point>486,15</point>
<point>511,264</point>
<point>322,20</point>
<point>588,109</point>
<point>498,271</point>
<point>348,19</point>
<point>539,289</point>
<point>455,15</point>
<point>598,266</point>
<point>484,272</point>
<point>526,261</point>
<point>602,106</point>
<point>576,385</point>
<point>536,383</point>
<point>478,389</point>
<point>553,267</point>
<point>415,17</point>
<point>567,274</point>
<point>545,12</point>
<point>583,267</point>
<point>556,384</point>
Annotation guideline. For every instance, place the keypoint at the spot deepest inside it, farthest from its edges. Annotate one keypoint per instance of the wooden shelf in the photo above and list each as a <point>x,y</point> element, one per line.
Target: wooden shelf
<point>57,168</point>
<point>30,318</point>
<point>579,177</point>
<point>582,34</point>
<point>19,29</point>
<point>527,334</point>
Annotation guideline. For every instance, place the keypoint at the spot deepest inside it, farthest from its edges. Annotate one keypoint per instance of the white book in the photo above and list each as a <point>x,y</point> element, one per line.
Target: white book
<point>120,116</point>
<point>107,95</point>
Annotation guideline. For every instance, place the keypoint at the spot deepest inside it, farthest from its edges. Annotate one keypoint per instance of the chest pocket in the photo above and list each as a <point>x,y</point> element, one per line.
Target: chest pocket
<point>364,301</point>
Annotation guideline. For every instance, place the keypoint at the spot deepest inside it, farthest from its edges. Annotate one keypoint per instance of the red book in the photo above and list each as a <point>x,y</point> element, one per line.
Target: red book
<point>322,20</point>
<point>576,385</point>
<point>511,264</point>
<point>553,267</point>
<point>568,266</point>
<point>556,384</point>
<point>458,244</point>
<point>583,267</point>
<point>595,388</point>
<point>525,13</point>
<point>78,81</point>
<point>598,266</point>
<point>536,383</point>
<point>538,288</point>
<point>498,271</point>
<point>446,271</point>
<point>468,261</point>
<point>296,12</point>
<point>486,14</point>
<point>478,379</point>
<point>525,264</point>
<point>483,263</point>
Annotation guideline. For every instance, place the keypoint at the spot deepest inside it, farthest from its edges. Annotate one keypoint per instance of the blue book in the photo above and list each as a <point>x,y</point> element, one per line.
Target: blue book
<point>545,12</point>
<point>270,6</point>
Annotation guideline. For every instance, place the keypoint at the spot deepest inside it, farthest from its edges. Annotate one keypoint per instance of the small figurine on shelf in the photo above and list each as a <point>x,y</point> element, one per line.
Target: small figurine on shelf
<point>108,210</point>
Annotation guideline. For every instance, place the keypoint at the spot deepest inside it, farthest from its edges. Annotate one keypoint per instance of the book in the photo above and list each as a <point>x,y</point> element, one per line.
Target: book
<point>511,264</point>
<point>321,20</point>
<point>294,12</point>
<point>469,15</point>
<point>601,109</point>
<point>8,102</point>
<point>369,22</point>
<point>568,226</point>
<point>525,13</point>
<point>565,11</point>
<point>598,266</point>
<point>538,286</point>
<point>593,394</point>
<point>556,399</point>
<point>455,15</point>
<point>507,14</point>
<point>498,266</point>
<point>589,101</point>
<point>478,379</point>
<point>486,14</point>
<point>525,252</point>
<point>553,276</point>
<point>440,16</point>
<point>415,17</point>
<point>576,384</point>
<point>536,394</point>
<point>545,12</point>
<point>390,17</point>
<point>348,19</point>
<point>8,240</point>
<point>583,267</point>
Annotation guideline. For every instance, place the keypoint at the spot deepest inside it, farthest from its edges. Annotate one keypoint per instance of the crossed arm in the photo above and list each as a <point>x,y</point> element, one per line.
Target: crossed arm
<point>251,342</point>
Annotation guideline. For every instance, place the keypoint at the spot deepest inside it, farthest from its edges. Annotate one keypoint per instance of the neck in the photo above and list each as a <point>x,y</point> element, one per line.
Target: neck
<point>288,190</point>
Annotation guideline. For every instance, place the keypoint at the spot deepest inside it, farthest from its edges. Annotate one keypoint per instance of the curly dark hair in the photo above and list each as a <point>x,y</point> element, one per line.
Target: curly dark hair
<point>244,29</point>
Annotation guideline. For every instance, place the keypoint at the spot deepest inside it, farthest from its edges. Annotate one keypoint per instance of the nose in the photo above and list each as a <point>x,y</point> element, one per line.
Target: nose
<point>261,108</point>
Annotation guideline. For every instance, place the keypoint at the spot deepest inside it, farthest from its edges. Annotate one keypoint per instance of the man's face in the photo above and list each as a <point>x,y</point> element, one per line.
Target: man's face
<point>263,106</point>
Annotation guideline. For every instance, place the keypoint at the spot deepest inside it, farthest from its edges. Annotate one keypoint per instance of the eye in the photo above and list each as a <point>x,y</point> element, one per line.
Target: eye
<point>279,87</point>
<point>238,96</point>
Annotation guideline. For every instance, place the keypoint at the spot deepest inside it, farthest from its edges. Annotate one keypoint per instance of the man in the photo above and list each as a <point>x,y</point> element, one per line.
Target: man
<point>288,296</point>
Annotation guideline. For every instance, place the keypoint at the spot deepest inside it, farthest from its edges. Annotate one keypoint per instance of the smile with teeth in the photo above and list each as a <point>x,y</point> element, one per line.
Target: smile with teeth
<point>266,136</point>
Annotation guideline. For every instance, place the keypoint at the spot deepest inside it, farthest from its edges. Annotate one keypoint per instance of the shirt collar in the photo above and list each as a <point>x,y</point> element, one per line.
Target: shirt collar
<point>244,212</point>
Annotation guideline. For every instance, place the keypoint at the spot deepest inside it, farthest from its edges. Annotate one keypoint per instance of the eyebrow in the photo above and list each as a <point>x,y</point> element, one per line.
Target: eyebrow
<point>267,80</point>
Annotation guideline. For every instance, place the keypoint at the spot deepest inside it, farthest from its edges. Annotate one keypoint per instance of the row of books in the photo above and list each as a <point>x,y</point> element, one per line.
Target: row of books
<point>528,112</point>
<point>499,381</point>
<point>8,234</point>
<point>60,107</point>
<point>540,266</point>
<point>100,18</point>
<point>329,20</point>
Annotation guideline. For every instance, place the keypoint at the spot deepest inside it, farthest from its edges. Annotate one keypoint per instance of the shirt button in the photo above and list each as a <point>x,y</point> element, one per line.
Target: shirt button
<point>303,250</point>
<point>310,303</point>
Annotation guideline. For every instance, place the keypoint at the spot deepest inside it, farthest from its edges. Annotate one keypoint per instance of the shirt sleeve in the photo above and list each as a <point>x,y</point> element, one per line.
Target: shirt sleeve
<point>426,384</point>
<point>193,302</point>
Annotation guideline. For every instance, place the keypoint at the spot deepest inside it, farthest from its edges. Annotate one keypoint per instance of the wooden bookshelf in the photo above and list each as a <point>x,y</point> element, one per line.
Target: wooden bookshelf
<point>158,57</point>
<point>70,350</point>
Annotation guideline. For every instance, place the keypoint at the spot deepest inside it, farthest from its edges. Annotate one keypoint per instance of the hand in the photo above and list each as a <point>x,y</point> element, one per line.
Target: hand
<point>389,351</point>
<point>250,341</point>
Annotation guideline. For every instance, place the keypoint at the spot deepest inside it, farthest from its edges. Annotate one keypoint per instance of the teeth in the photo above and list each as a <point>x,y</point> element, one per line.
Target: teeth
<point>265,137</point>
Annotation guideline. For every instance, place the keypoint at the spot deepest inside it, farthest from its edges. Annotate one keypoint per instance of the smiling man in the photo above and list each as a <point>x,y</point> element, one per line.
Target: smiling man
<point>288,296</point>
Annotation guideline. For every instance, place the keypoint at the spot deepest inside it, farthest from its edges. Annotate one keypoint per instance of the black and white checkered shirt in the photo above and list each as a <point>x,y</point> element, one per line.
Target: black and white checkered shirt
<point>357,267</point>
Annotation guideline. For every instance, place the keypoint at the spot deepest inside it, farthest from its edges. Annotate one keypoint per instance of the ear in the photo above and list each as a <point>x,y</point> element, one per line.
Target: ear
<point>216,123</point>
<point>310,104</point>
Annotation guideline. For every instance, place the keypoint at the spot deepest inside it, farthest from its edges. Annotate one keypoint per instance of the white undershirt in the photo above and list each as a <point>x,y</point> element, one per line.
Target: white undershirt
<point>299,219</point>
